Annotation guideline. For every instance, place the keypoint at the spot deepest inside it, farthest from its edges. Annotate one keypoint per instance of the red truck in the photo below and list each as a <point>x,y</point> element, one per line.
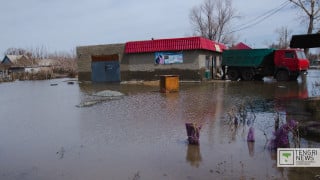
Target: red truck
<point>254,64</point>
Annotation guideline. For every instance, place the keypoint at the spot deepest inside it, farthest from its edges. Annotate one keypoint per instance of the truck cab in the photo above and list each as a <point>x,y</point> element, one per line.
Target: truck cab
<point>289,63</point>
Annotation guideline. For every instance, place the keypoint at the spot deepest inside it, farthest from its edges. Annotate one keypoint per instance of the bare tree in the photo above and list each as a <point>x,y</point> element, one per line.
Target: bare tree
<point>17,51</point>
<point>212,20</point>
<point>32,53</point>
<point>40,52</point>
<point>283,37</point>
<point>65,62</point>
<point>311,8</point>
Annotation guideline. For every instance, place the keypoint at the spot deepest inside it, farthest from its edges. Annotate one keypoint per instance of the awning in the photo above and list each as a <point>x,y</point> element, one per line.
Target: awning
<point>305,41</point>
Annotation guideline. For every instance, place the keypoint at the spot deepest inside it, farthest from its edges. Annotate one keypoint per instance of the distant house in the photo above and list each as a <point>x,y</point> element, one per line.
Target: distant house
<point>3,71</point>
<point>240,45</point>
<point>23,67</point>
<point>47,65</point>
<point>47,62</point>
<point>17,63</point>
<point>16,60</point>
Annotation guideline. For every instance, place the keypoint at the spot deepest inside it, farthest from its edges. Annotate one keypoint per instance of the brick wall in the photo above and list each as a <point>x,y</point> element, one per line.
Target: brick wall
<point>84,54</point>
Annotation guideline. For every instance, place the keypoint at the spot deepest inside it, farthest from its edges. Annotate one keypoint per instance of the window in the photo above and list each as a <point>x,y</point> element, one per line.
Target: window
<point>301,55</point>
<point>289,55</point>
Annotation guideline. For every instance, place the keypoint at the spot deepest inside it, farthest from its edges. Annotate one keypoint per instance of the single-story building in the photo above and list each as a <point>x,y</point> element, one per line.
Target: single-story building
<point>47,62</point>
<point>14,63</point>
<point>16,60</point>
<point>24,64</point>
<point>192,58</point>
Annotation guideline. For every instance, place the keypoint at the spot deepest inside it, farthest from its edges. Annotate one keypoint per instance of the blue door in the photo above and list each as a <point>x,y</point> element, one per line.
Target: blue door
<point>105,71</point>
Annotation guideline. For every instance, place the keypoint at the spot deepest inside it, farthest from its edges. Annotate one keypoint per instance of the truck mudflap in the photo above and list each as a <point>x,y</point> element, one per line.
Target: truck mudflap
<point>297,73</point>
<point>304,72</point>
<point>294,75</point>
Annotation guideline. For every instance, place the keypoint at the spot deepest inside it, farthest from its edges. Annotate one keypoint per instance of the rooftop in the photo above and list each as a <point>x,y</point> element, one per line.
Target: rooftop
<point>175,44</point>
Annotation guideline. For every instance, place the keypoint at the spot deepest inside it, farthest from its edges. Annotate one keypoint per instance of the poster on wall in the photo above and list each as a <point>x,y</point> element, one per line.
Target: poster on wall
<point>168,57</point>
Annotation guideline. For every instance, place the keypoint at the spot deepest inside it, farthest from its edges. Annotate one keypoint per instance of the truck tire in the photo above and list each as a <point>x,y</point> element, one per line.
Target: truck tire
<point>293,77</point>
<point>258,77</point>
<point>247,74</point>
<point>282,75</point>
<point>233,74</point>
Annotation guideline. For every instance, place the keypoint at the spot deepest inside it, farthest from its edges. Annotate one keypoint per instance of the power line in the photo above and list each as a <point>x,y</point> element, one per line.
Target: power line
<point>261,18</point>
<point>265,14</point>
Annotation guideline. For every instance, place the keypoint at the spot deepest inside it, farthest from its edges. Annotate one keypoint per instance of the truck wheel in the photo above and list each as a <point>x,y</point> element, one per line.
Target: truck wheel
<point>247,75</point>
<point>282,75</point>
<point>233,74</point>
<point>258,77</point>
<point>294,77</point>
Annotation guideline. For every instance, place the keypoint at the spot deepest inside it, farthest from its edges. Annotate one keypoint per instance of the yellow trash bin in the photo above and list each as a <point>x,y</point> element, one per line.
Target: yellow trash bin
<point>169,83</point>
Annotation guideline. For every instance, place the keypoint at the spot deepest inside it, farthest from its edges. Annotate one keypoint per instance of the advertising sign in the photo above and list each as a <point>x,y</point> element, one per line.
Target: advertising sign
<point>168,57</point>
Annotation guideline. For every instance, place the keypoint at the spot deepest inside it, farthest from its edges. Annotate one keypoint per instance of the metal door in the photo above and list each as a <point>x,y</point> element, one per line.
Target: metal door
<point>105,71</point>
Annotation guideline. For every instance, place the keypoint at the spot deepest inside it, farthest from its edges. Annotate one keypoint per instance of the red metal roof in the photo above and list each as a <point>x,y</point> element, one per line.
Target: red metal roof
<point>241,45</point>
<point>175,44</point>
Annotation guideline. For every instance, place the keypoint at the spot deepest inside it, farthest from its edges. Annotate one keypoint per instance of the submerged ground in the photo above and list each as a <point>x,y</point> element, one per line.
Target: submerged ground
<point>45,134</point>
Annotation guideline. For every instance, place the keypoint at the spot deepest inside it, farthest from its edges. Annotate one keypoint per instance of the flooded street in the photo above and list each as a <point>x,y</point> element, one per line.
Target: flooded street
<point>142,135</point>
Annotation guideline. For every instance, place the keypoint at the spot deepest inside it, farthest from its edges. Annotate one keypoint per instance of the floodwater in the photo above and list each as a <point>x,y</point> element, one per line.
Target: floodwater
<point>44,135</point>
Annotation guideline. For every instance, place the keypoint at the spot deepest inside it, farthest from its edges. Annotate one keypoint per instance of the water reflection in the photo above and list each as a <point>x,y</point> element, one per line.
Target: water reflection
<point>251,148</point>
<point>194,155</point>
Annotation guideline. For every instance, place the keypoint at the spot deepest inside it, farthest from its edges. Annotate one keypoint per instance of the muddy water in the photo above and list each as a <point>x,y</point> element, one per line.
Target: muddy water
<point>44,135</point>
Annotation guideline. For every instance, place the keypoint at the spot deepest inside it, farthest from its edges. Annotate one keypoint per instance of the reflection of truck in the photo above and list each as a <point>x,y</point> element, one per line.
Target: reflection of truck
<point>254,64</point>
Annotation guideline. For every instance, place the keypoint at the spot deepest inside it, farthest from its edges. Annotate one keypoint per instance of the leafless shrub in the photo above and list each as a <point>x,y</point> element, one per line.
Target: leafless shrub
<point>242,113</point>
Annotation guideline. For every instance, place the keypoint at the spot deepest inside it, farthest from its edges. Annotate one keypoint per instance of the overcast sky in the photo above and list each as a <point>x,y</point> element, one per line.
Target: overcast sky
<point>61,25</point>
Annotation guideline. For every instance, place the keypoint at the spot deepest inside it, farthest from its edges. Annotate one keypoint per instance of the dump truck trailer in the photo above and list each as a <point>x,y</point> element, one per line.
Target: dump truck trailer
<point>254,64</point>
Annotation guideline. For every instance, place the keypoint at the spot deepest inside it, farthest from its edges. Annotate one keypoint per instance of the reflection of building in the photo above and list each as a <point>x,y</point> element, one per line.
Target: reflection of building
<point>192,58</point>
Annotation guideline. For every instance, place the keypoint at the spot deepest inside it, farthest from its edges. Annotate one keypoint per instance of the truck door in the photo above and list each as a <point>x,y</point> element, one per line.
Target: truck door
<point>290,60</point>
